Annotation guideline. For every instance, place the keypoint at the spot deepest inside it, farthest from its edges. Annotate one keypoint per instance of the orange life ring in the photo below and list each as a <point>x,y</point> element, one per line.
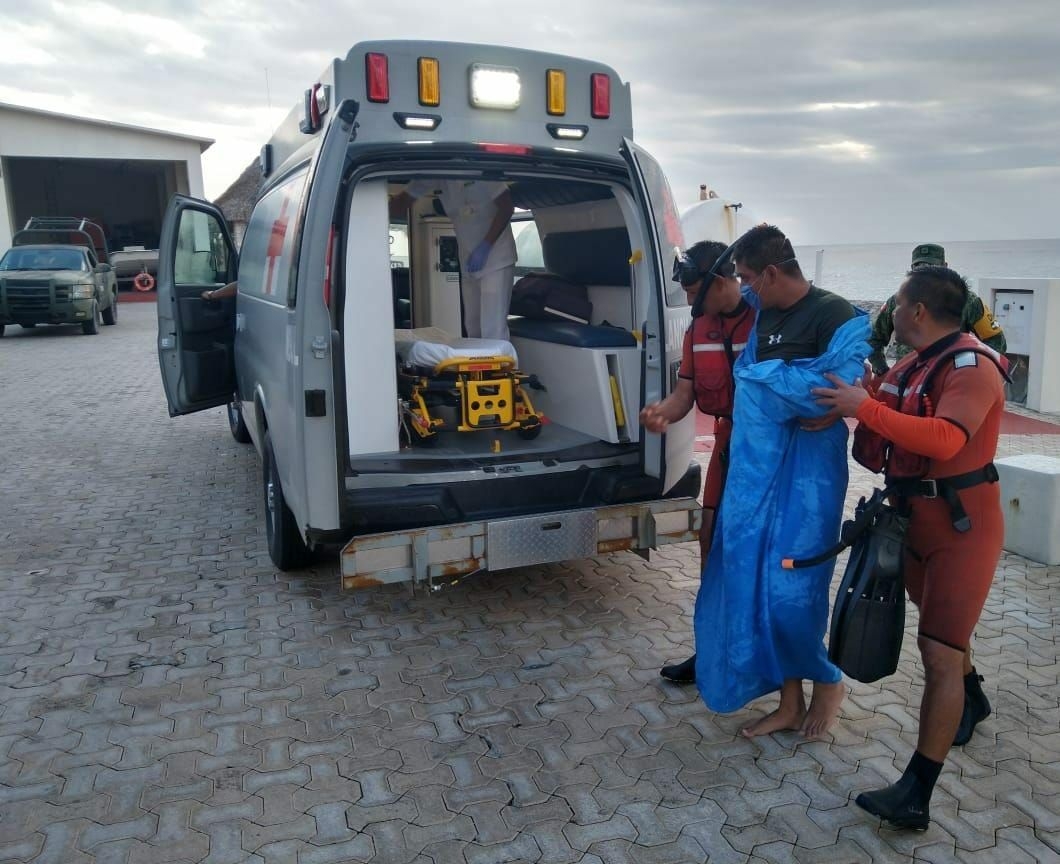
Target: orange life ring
<point>144,281</point>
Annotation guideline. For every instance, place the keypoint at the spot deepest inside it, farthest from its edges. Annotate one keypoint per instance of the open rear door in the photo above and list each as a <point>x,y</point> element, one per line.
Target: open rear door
<point>667,456</point>
<point>195,336</point>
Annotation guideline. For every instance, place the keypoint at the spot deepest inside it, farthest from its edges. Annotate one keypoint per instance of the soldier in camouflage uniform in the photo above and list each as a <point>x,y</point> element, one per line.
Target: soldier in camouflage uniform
<point>977,318</point>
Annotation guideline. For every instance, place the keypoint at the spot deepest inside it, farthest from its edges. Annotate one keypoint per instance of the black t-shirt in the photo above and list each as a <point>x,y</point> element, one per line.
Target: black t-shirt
<point>803,330</point>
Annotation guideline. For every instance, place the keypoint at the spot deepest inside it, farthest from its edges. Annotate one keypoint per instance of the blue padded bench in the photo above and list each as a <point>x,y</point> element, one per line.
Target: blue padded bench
<point>571,333</point>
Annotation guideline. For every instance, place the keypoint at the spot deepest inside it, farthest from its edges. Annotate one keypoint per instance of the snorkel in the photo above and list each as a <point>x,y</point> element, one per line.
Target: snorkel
<point>686,272</point>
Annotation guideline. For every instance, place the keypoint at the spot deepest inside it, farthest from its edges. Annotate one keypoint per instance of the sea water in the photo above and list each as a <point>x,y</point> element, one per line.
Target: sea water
<point>873,271</point>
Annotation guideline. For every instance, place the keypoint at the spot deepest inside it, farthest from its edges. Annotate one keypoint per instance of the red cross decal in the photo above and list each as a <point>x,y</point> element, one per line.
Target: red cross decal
<point>275,248</point>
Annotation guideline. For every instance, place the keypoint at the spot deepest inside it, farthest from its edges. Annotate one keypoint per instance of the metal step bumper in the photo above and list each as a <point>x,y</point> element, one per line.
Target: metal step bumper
<point>443,553</point>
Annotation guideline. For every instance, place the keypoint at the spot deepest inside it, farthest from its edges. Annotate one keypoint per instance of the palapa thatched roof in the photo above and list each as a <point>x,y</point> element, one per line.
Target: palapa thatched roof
<point>238,200</point>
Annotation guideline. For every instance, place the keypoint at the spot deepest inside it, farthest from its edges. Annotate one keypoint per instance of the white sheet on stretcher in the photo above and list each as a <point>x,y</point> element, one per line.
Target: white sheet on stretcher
<point>429,346</point>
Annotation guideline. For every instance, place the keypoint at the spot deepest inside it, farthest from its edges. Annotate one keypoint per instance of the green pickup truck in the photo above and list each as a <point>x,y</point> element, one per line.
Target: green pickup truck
<point>56,273</point>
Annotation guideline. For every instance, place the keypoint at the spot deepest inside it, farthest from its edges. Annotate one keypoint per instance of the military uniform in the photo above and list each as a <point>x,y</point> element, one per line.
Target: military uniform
<point>976,319</point>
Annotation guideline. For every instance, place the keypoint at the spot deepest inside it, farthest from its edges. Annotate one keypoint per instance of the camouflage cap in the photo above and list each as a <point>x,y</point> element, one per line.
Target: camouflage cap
<point>929,253</point>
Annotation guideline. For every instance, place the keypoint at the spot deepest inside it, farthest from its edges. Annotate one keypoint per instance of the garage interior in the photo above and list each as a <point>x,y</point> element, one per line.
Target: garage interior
<point>126,197</point>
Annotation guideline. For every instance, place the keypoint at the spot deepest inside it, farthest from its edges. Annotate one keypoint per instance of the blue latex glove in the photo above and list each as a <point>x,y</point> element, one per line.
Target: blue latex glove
<point>477,259</point>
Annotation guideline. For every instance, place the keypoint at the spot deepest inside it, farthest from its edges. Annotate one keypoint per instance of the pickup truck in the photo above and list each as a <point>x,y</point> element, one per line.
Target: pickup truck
<point>60,280</point>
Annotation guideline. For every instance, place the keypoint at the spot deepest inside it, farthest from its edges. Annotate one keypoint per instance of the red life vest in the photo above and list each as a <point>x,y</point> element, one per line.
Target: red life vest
<point>905,388</point>
<point>717,341</point>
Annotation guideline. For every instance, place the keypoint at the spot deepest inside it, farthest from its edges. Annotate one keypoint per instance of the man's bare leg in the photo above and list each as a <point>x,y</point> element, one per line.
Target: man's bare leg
<point>706,534</point>
<point>943,699</point>
<point>789,714</point>
<point>824,708</point>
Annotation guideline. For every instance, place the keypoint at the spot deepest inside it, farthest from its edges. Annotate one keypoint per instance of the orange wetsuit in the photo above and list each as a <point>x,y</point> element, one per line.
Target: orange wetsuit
<point>948,573</point>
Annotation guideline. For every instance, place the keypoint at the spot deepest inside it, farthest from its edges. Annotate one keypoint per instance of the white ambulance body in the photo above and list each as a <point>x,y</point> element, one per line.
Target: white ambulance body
<point>305,354</point>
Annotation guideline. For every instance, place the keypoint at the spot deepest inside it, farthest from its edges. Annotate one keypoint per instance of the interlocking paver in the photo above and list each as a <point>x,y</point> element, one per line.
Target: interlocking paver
<point>166,695</point>
<point>302,829</point>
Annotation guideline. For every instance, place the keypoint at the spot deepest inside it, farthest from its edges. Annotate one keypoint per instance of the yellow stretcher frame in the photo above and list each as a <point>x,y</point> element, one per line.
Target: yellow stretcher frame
<point>491,397</point>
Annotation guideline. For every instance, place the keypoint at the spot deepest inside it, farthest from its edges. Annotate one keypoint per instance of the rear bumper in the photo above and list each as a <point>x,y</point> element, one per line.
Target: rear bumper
<point>443,553</point>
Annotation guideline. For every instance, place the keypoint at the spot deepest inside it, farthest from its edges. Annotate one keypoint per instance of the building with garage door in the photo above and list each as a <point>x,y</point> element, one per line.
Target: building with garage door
<point>117,175</point>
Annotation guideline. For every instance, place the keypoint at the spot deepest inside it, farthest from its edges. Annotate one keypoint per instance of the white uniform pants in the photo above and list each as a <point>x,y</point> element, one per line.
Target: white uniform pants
<point>487,297</point>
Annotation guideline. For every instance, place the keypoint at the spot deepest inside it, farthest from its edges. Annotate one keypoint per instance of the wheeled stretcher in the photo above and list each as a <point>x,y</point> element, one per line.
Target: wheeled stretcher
<point>479,377</point>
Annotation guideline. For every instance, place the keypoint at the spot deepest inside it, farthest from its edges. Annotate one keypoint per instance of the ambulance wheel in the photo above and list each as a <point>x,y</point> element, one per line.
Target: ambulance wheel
<point>531,433</point>
<point>286,547</point>
<point>235,422</point>
<point>91,328</point>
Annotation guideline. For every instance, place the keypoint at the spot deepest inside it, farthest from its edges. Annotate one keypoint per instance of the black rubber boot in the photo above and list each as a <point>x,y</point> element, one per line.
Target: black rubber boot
<point>681,673</point>
<point>976,708</point>
<point>903,804</point>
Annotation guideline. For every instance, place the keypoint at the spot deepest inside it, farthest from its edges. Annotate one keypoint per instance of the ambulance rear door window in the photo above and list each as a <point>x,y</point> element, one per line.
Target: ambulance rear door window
<point>664,213</point>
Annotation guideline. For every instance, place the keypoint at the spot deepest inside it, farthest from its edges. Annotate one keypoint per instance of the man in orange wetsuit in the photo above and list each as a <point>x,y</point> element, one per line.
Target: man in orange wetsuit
<point>713,341</point>
<point>931,424</point>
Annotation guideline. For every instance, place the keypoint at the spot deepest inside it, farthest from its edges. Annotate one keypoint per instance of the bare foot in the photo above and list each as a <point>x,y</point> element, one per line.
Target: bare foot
<point>785,717</point>
<point>824,707</point>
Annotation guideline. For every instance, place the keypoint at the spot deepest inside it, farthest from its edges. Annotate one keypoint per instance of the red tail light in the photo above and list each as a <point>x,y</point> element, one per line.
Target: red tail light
<point>510,149</point>
<point>601,86</point>
<point>327,267</point>
<point>377,73</point>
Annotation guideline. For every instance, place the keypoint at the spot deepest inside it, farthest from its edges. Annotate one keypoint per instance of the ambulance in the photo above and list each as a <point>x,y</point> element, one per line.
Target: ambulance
<point>424,471</point>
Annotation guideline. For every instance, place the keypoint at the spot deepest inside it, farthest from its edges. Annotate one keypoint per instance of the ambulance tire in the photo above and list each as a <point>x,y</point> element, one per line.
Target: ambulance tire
<point>236,425</point>
<point>286,547</point>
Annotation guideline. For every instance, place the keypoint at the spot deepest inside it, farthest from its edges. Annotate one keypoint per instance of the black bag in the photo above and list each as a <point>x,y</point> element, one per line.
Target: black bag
<point>546,297</point>
<point>868,620</point>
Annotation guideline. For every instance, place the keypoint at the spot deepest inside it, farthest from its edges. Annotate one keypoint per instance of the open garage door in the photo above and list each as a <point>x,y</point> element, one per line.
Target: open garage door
<point>127,197</point>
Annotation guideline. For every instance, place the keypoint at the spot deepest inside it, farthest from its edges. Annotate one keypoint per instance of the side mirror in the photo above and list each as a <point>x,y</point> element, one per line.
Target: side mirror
<point>103,268</point>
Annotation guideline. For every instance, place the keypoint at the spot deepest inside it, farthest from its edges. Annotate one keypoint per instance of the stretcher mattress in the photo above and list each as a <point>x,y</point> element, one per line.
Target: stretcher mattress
<point>429,346</point>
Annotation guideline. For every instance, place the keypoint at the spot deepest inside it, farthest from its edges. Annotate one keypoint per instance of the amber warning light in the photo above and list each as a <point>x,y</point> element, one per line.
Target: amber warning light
<point>430,81</point>
<point>556,85</point>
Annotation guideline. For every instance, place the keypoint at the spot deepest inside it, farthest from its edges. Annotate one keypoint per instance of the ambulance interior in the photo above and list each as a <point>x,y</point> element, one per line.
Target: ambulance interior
<point>578,366</point>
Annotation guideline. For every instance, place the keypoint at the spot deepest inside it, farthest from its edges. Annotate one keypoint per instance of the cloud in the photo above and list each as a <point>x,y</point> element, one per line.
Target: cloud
<point>855,121</point>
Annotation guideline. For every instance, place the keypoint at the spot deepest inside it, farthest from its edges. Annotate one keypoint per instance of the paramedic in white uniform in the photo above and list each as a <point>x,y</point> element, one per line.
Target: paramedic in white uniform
<point>481,212</point>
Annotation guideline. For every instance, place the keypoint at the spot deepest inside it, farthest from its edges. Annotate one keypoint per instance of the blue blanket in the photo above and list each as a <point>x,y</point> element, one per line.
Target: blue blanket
<point>757,624</point>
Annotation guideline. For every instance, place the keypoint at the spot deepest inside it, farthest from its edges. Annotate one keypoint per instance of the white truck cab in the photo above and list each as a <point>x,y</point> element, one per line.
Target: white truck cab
<point>311,354</point>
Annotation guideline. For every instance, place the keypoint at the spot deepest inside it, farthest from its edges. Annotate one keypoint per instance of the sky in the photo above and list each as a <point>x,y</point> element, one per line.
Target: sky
<point>842,122</point>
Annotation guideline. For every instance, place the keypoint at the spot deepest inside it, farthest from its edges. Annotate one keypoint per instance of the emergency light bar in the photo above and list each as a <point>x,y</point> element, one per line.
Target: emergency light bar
<point>494,87</point>
<point>498,87</point>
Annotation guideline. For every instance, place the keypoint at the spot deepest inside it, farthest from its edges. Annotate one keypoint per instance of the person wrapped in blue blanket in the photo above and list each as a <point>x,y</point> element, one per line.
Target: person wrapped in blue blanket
<point>760,628</point>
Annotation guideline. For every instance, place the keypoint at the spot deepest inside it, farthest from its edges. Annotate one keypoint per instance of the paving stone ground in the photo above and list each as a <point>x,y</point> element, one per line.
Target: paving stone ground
<point>167,696</point>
